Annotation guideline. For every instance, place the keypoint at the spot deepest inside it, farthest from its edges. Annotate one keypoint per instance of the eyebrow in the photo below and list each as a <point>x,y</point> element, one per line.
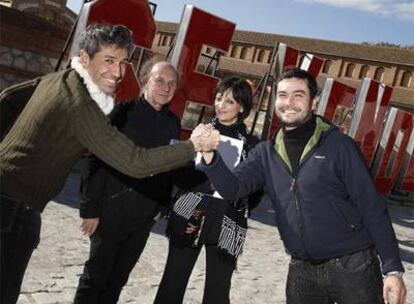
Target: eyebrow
<point>296,91</point>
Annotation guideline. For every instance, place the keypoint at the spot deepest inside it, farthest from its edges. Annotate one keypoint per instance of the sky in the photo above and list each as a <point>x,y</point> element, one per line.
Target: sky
<point>355,21</point>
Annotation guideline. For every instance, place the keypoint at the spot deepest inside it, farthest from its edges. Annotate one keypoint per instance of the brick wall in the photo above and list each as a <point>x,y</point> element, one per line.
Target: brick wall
<point>29,46</point>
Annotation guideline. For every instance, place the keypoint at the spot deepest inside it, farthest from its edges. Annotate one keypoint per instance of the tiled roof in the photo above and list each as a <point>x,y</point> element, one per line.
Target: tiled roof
<point>318,46</point>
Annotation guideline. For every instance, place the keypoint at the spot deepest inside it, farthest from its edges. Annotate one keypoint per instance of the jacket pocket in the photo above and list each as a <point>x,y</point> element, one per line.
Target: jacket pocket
<point>355,262</point>
<point>350,222</point>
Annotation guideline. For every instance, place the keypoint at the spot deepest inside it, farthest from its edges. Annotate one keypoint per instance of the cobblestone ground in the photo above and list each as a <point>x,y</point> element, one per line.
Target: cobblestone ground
<point>57,263</point>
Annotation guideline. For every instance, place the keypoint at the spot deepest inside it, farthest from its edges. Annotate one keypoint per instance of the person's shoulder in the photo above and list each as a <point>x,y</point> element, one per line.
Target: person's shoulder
<point>173,118</point>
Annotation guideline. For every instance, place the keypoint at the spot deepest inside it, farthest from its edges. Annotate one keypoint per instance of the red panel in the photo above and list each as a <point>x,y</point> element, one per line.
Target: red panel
<point>196,29</point>
<point>290,58</point>
<point>134,14</point>
<point>340,95</point>
<point>403,122</point>
<point>315,66</point>
<point>368,129</point>
<point>408,181</point>
<point>129,87</point>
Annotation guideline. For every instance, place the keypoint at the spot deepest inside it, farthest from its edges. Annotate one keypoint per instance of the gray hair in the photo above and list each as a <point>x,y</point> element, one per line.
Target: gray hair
<point>98,35</point>
<point>146,68</point>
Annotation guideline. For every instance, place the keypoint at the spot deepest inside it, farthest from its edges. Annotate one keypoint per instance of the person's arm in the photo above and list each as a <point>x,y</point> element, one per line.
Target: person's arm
<point>93,177</point>
<point>246,178</point>
<point>95,133</point>
<point>362,190</point>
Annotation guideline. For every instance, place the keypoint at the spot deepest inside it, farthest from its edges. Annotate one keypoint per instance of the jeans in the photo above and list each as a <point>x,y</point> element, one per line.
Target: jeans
<point>20,231</point>
<point>351,279</point>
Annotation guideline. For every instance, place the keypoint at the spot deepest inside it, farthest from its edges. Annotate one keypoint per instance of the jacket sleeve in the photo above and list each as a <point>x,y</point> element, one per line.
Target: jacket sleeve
<point>93,178</point>
<point>362,191</point>
<point>247,177</point>
<point>12,102</point>
<point>94,132</point>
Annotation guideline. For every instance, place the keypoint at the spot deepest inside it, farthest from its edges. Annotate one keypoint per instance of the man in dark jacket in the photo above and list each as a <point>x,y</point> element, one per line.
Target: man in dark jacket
<point>118,211</point>
<point>330,216</point>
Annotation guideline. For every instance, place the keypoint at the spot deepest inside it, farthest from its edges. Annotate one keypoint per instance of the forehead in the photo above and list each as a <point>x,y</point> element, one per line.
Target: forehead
<point>293,84</point>
<point>112,50</point>
<point>227,94</point>
<point>163,70</point>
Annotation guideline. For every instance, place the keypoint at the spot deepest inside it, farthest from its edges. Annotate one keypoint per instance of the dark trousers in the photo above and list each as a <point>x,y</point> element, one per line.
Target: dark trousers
<point>20,231</point>
<point>180,263</point>
<point>115,249</point>
<point>350,279</point>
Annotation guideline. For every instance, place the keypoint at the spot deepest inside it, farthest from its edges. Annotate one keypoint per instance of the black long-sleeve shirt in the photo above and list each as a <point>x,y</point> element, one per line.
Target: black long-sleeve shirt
<point>129,196</point>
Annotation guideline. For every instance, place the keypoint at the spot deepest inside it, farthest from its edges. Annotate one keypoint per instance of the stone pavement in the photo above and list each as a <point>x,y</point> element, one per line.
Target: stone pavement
<point>56,264</point>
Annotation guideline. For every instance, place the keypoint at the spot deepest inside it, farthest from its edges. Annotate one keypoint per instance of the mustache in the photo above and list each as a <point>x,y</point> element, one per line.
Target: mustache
<point>284,108</point>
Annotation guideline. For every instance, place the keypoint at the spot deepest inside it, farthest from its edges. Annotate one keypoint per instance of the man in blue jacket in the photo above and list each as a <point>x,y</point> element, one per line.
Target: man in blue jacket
<point>330,216</point>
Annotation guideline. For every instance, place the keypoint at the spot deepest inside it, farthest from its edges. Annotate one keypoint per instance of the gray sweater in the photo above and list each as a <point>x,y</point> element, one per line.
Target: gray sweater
<point>59,123</point>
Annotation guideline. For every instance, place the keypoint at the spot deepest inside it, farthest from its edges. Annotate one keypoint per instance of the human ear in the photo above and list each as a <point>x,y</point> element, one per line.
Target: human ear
<point>84,58</point>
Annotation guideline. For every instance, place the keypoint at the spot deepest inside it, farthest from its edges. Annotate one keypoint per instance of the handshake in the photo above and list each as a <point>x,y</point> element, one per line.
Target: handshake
<point>205,138</point>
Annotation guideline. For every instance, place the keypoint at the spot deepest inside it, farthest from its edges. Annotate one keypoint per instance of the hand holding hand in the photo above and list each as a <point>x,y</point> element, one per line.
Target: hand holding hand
<point>205,138</point>
<point>208,156</point>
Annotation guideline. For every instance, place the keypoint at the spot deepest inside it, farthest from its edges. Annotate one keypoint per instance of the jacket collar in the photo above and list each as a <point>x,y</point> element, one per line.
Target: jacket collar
<point>104,101</point>
<point>322,126</point>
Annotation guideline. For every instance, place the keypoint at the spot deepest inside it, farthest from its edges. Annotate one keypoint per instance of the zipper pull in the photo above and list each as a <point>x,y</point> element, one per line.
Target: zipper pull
<point>292,185</point>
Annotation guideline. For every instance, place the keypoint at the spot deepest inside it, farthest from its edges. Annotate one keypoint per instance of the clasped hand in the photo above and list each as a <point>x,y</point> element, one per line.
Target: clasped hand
<point>205,138</point>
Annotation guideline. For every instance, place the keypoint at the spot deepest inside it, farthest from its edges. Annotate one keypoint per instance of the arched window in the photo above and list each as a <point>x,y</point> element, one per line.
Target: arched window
<point>260,56</point>
<point>364,71</point>
<point>350,70</point>
<point>208,50</point>
<point>164,40</point>
<point>327,66</point>
<point>379,74</point>
<point>243,53</point>
<point>406,79</point>
<point>234,51</point>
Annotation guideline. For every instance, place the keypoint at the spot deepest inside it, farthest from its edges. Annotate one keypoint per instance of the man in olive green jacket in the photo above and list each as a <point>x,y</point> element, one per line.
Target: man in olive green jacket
<point>64,117</point>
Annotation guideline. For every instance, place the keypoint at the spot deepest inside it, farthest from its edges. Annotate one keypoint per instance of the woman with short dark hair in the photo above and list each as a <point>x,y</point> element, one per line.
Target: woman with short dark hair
<point>198,218</point>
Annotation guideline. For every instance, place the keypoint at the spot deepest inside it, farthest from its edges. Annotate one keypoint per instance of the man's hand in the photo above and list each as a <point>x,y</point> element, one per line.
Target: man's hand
<point>205,138</point>
<point>157,217</point>
<point>394,291</point>
<point>89,225</point>
<point>208,157</point>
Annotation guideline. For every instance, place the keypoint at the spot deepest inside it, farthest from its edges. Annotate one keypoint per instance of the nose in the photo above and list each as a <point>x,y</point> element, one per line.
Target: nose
<point>290,99</point>
<point>118,70</point>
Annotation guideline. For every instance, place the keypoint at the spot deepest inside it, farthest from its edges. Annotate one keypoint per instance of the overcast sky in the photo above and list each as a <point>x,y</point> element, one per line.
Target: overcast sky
<point>341,20</point>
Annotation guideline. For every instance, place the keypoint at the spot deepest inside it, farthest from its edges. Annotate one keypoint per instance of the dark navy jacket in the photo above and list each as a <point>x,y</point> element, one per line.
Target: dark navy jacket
<point>329,209</point>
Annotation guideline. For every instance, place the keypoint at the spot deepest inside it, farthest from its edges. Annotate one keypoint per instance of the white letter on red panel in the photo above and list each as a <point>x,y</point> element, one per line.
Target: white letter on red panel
<point>394,141</point>
<point>369,113</point>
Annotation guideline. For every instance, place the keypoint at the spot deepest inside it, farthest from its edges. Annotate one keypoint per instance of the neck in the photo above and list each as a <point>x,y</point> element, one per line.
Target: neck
<point>104,101</point>
<point>306,129</point>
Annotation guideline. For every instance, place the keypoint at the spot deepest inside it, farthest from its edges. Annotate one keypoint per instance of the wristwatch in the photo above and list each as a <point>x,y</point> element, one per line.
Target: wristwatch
<point>394,274</point>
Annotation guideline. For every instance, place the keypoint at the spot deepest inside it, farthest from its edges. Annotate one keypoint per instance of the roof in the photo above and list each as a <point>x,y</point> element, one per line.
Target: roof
<point>318,46</point>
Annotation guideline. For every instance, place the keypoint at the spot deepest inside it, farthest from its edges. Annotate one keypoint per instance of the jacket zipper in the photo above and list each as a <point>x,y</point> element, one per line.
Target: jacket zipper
<point>293,188</point>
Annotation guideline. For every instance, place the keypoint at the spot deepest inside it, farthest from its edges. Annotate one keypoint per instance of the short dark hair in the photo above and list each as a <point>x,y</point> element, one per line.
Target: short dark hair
<point>98,35</point>
<point>241,90</point>
<point>302,74</point>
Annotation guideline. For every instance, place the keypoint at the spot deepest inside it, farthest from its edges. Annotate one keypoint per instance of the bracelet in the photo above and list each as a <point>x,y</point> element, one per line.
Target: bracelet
<point>394,274</point>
